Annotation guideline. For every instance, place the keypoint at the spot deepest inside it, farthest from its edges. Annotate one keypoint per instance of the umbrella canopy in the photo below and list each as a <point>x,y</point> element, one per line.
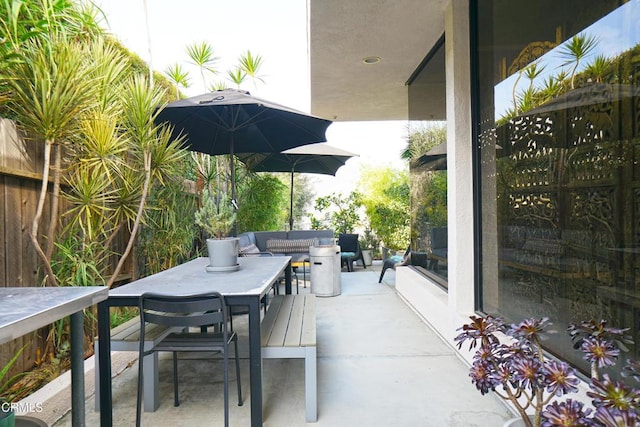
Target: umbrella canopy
<point>232,121</point>
<point>312,158</point>
<point>593,94</point>
<point>434,159</point>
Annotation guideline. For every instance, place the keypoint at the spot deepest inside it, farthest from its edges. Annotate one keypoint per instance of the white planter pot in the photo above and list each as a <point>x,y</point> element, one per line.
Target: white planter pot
<point>368,259</point>
<point>223,254</point>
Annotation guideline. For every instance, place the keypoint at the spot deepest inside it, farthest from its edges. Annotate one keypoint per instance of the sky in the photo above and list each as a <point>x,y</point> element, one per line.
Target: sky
<point>274,29</point>
<point>612,37</point>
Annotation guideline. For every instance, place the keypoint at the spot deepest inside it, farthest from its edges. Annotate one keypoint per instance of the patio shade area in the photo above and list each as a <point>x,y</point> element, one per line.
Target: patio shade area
<point>379,364</point>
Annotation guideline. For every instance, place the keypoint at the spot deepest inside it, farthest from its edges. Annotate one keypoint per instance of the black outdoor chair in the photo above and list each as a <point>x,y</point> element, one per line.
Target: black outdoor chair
<point>349,250</point>
<point>199,311</point>
<point>393,261</point>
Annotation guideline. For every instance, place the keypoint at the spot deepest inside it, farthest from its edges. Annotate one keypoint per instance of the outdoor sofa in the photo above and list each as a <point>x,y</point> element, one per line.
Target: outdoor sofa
<point>294,243</point>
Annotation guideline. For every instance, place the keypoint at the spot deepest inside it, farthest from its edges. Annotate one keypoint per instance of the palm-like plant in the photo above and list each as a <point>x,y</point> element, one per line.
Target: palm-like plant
<point>250,65</point>
<point>153,149</point>
<point>178,76</point>
<point>48,90</point>
<point>202,55</point>
<point>598,68</point>
<point>528,99</point>
<point>531,71</point>
<point>577,49</point>
<point>237,76</point>
<point>109,68</point>
<point>423,139</point>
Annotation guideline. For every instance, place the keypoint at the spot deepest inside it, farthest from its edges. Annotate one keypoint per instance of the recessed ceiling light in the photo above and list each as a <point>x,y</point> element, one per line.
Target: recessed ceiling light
<point>371,60</point>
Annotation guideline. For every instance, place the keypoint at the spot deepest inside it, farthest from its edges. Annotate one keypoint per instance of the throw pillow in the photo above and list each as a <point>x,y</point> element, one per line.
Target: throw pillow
<point>249,249</point>
<point>290,246</point>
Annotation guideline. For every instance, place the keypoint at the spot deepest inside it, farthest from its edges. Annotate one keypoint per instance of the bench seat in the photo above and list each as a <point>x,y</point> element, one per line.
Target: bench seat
<point>288,330</point>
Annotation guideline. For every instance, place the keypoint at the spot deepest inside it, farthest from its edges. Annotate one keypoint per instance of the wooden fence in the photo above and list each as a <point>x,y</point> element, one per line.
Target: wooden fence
<point>21,162</point>
<point>20,181</point>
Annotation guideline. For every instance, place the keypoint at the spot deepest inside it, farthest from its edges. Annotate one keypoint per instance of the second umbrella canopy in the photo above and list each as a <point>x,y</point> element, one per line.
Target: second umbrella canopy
<point>312,158</point>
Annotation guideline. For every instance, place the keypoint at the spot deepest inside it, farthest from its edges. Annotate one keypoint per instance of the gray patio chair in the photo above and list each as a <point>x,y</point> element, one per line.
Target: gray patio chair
<point>185,312</point>
<point>394,261</point>
<point>350,250</point>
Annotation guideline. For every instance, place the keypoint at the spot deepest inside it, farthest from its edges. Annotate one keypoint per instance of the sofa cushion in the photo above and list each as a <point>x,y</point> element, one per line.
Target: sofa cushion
<point>247,239</point>
<point>249,249</point>
<point>290,245</point>
<point>544,246</point>
<point>262,237</point>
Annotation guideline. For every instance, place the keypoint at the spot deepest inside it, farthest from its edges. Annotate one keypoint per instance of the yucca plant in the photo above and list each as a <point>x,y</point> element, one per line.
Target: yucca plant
<point>48,90</point>
<point>575,51</point>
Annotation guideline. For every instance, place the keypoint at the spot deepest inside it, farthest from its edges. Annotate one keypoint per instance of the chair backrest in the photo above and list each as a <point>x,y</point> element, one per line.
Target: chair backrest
<point>184,311</point>
<point>439,238</point>
<point>348,242</point>
<point>407,253</point>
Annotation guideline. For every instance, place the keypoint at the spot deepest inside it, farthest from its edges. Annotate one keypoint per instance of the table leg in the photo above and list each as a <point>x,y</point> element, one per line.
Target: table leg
<point>104,343</point>
<point>287,279</point>
<point>255,363</point>
<point>77,370</point>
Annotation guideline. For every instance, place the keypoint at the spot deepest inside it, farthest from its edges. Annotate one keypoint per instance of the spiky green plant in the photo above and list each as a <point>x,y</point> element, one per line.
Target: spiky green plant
<point>154,151</point>
<point>598,68</point>
<point>5,380</point>
<point>237,76</point>
<point>251,64</point>
<point>203,56</point>
<point>216,217</point>
<point>178,76</point>
<point>48,90</point>
<point>576,50</point>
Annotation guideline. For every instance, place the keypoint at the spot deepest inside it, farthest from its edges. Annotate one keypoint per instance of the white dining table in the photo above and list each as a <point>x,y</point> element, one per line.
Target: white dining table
<point>246,287</point>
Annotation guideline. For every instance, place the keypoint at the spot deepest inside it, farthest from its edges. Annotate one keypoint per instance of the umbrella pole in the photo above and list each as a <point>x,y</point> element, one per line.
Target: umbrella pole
<point>291,204</point>
<point>234,202</point>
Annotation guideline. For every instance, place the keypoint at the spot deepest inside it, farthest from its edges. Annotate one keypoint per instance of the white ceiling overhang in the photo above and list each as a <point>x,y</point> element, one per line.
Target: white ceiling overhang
<point>342,33</point>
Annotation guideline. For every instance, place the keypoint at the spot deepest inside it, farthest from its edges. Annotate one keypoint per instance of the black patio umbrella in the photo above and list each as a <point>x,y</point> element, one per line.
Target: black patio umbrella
<point>586,96</point>
<point>313,158</point>
<point>434,159</point>
<point>232,121</point>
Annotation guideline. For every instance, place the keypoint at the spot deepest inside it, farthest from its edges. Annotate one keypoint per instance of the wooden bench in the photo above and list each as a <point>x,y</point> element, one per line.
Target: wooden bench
<point>126,337</point>
<point>288,331</point>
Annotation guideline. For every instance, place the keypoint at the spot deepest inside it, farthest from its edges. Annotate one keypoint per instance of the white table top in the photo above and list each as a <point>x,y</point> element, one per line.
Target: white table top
<point>254,277</point>
<point>27,309</point>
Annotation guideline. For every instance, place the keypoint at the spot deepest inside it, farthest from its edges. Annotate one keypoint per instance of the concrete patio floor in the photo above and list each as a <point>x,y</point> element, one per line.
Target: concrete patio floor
<point>379,364</point>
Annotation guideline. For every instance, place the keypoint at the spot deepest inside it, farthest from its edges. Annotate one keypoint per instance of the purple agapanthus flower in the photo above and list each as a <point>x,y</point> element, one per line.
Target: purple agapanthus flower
<point>599,351</point>
<point>568,413</point>
<point>560,378</point>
